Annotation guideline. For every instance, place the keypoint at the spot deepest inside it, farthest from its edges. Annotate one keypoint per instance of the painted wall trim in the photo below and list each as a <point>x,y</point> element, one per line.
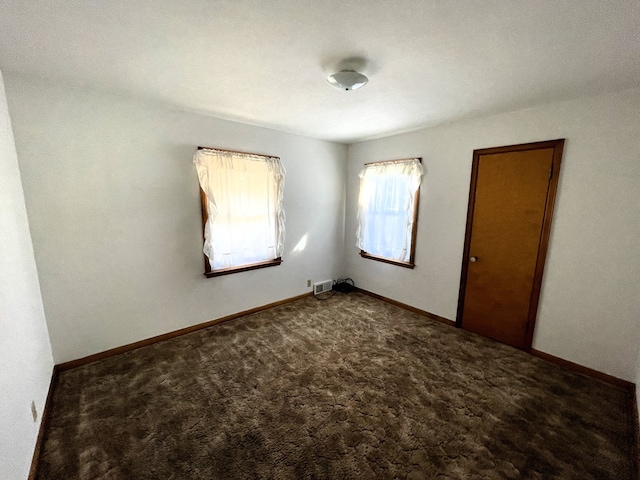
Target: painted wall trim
<point>424,313</point>
<point>576,367</point>
<point>166,336</point>
<point>635,422</point>
<point>610,379</point>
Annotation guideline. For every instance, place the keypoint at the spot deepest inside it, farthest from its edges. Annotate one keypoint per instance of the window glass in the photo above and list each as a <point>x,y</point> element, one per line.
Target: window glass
<point>243,217</point>
<point>388,209</point>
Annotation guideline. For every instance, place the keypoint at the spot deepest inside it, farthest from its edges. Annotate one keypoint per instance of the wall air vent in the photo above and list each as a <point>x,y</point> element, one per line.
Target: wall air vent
<point>322,287</point>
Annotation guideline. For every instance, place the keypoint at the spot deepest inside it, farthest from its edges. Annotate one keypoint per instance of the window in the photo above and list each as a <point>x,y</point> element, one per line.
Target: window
<point>388,211</point>
<point>242,213</point>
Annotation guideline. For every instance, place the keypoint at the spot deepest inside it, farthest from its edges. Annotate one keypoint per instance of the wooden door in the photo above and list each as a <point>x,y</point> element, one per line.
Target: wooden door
<point>508,223</point>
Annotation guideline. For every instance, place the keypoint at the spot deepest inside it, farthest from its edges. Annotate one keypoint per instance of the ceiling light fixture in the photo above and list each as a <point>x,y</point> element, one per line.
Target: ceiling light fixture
<point>347,80</point>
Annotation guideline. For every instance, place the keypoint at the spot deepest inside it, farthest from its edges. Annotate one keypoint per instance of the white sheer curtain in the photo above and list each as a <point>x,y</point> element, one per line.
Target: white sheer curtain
<point>386,208</point>
<point>246,217</point>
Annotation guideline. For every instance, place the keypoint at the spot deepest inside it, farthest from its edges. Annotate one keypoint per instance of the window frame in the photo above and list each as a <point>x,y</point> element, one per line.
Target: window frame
<point>414,228</point>
<point>204,202</point>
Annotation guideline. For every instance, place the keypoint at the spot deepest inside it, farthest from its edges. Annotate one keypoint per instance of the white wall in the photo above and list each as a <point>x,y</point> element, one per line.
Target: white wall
<point>590,303</point>
<point>114,211</point>
<point>113,201</point>
<point>25,353</point>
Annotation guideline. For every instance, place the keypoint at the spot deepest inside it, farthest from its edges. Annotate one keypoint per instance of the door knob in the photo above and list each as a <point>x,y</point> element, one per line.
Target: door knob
<point>473,259</point>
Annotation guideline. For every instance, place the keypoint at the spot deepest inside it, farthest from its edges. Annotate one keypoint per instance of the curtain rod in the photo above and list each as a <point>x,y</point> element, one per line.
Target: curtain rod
<point>224,150</point>
<point>396,161</point>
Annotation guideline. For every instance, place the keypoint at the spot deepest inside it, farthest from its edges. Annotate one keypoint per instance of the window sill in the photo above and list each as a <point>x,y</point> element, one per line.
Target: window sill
<point>364,254</point>
<point>243,268</point>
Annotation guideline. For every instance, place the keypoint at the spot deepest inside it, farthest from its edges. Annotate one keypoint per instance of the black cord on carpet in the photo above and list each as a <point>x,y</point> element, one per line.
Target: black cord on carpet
<point>342,285</point>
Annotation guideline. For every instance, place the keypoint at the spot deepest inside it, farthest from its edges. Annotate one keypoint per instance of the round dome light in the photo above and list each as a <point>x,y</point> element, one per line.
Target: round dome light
<point>347,80</point>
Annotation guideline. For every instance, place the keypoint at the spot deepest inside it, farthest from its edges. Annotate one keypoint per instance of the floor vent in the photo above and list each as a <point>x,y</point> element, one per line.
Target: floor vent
<point>322,287</point>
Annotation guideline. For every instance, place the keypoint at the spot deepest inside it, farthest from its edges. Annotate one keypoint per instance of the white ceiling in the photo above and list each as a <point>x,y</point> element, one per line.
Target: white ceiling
<point>264,62</point>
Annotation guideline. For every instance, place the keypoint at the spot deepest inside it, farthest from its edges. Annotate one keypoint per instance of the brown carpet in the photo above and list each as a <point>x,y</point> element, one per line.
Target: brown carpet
<point>346,388</point>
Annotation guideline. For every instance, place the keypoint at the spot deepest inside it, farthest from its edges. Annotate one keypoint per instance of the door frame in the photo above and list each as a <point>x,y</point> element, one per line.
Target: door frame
<point>543,246</point>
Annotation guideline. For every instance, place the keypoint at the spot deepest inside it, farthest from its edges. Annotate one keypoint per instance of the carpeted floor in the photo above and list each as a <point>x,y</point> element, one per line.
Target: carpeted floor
<point>346,388</point>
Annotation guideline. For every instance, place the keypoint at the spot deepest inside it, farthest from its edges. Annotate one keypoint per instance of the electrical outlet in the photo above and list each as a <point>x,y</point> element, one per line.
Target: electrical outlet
<point>308,283</point>
<point>34,412</point>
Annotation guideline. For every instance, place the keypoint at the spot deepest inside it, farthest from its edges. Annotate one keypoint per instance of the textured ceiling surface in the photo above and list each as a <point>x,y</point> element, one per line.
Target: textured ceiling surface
<point>266,62</point>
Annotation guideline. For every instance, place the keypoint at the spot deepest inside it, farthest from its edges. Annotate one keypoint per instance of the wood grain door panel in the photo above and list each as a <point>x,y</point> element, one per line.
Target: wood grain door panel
<point>505,232</point>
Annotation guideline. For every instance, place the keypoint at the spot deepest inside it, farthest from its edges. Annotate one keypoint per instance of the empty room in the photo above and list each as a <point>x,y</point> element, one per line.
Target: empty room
<point>319,239</point>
